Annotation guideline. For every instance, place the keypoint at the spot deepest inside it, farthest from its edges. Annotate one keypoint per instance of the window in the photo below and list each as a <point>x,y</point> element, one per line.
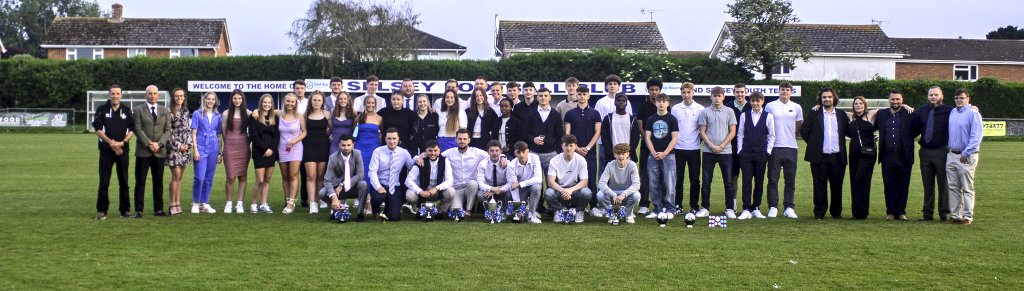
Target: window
<point>72,54</point>
<point>428,56</point>
<point>182,53</point>
<point>84,54</point>
<point>781,70</point>
<point>97,54</point>
<point>965,72</point>
<point>135,52</point>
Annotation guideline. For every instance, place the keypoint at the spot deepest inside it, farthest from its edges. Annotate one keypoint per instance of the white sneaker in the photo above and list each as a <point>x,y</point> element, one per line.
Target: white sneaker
<point>227,207</point>
<point>596,212</point>
<point>757,214</point>
<point>579,216</point>
<point>253,208</point>
<point>536,214</point>
<point>409,208</point>
<point>323,204</point>
<point>558,218</point>
<point>631,219</point>
<point>678,210</point>
<point>703,212</point>
<point>773,212</point>
<point>208,209</point>
<point>534,219</point>
<point>730,214</point>
<point>744,215</point>
<point>643,210</point>
<point>195,208</point>
<point>265,208</point>
<point>790,213</point>
<point>239,208</point>
<point>313,209</point>
<point>651,215</point>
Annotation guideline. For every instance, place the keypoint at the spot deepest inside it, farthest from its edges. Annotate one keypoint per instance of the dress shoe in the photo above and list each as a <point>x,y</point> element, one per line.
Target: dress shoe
<point>952,221</point>
<point>902,218</point>
<point>159,213</point>
<point>100,215</point>
<point>926,218</point>
<point>138,214</point>
<point>889,217</point>
<point>126,214</point>
<point>837,216</point>
<point>943,218</point>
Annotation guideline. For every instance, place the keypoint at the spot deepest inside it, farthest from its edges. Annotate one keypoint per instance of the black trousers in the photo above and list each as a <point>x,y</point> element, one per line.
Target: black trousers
<point>155,166</point>
<point>828,174</point>
<point>688,160</point>
<point>753,166</point>
<point>645,181</point>
<point>302,185</point>
<point>896,177</point>
<point>593,164</point>
<point>861,170</point>
<point>933,175</point>
<point>108,162</point>
<point>392,202</point>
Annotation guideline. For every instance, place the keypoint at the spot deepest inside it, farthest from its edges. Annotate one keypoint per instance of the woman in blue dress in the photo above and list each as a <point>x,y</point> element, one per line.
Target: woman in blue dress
<point>343,121</point>
<point>368,133</point>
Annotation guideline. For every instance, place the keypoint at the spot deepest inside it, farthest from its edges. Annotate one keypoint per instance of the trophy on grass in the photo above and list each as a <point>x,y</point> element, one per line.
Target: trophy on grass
<point>566,215</point>
<point>517,209</point>
<point>341,215</point>
<point>381,216</point>
<point>615,213</point>
<point>493,211</point>
<point>690,219</point>
<point>457,214</point>
<point>428,211</point>
<point>664,216</point>
<point>717,221</point>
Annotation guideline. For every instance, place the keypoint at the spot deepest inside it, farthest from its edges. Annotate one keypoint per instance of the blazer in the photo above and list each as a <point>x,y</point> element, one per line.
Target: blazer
<point>488,127</point>
<point>606,134</point>
<point>335,174</point>
<point>552,129</point>
<point>813,132</point>
<point>423,130</point>
<point>148,130</point>
<point>906,137</point>
<point>511,133</point>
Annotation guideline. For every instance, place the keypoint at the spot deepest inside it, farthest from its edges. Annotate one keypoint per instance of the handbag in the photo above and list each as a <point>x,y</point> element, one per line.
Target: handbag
<point>869,151</point>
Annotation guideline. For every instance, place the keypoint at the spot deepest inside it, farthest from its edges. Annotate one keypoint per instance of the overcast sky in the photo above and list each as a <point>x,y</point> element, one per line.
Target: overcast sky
<point>258,27</point>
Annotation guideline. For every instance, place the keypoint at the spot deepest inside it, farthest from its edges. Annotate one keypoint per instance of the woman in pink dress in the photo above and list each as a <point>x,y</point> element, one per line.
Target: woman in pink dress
<point>293,130</point>
<point>236,151</point>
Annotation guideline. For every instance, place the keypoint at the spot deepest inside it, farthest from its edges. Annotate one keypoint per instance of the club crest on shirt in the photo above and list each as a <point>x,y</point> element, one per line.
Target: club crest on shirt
<point>660,129</point>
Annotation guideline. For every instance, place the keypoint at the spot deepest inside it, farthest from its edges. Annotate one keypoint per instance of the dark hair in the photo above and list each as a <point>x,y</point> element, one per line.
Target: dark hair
<point>390,130</point>
<point>336,80</point>
<point>655,83</point>
<point>495,83</point>
<point>962,91</point>
<point>176,89</point>
<point>480,77</point>
<point>512,84</point>
<point>756,96</point>
<point>544,89</point>
<point>430,144</point>
<point>739,85</point>
<point>115,86</point>
<point>529,84</point>
<point>583,89</point>
<point>474,109</point>
<point>612,78</point>
<point>348,112</point>
<point>494,143</point>
<point>835,96</point>
<point>451,81</point>
<point>462,131</point>
<point>299,82</point>
<point>621,95</point>
<point>568,139</point>
<point>309,105</point>
<point>895,91</point>
<point>521,146</point>
<point>785,85</point>
<point>572,80</point>
<point>660,97</point>
<point>372,78</point>
<point>230,126</point>
<point>717,91</point>
<point>406,80</point>
<point>505,100</point>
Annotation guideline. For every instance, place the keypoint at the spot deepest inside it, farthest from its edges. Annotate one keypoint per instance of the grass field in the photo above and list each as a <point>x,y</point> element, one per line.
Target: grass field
<point>49,240</point>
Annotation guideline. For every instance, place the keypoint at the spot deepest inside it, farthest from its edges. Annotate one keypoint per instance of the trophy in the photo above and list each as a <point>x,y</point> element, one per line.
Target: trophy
<point>615,214</point>
<point>717,221</point>
<point>341,215</point>
<point>517,210</point>
<point>690,219</point>
<point>428,211</point>
<point>663,217</point>
<point>457,214</point>
<point>567,215</point>
<point>381,216</point>
<point>494,212</point>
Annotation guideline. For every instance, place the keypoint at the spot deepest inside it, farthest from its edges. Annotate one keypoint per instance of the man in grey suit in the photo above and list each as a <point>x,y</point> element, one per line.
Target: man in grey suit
<point>344,178</point>
<point>153,129</point>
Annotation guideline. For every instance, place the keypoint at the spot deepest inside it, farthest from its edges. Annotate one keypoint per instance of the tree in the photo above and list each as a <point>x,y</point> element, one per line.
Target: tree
<point>23,23</point>
<point>352,31</point>
<point>758,41</point>
<point>1008,32</point>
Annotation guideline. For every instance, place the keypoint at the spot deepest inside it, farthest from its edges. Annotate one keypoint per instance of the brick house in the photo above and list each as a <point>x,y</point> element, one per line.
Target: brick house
<point>524,37</point>
<point>960,59</point>
<point>77,38</point>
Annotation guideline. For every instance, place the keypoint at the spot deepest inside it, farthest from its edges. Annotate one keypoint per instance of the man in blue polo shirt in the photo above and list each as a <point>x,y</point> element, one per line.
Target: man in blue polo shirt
<point>584,123</point>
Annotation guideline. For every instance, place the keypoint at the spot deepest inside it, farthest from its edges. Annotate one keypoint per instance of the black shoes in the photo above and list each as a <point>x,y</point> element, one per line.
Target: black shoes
<point>100,215</point>
<point>138,214</point>
<point>159,213</point>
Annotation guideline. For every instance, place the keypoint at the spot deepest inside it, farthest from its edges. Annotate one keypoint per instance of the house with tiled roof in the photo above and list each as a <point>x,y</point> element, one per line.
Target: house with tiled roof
<point>960,59</point>
<point>436,48</point>
<point>514,37</point>
<point>838,52</point>
<point>76,38</point>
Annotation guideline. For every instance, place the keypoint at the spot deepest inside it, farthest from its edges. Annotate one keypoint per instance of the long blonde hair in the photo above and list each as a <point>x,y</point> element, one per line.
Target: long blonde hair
<point>284,105</point>
<point>266,117</point>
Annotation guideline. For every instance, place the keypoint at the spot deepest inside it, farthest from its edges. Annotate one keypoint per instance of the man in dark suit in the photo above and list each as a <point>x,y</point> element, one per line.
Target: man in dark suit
<point>153,128</point>
<point>896,154</point>
<point>824,131</point>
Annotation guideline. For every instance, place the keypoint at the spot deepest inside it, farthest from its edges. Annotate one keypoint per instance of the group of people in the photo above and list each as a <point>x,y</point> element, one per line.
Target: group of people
<point>405,152</point>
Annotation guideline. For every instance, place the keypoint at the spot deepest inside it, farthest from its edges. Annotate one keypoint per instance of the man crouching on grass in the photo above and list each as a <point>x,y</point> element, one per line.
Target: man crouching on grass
<point>567,181</point>
<point>619,184</point>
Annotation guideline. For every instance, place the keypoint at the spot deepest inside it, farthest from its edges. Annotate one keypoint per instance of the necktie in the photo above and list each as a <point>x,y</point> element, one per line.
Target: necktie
<point>348,174</point>
<point>393,175</point>
<point>408,104</point>
<point>494,174</point>
<point>152,110</point>
<point>929,126</point>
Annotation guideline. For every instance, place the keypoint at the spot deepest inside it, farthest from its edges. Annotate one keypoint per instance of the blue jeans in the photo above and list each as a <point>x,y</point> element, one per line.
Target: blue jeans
<point>724,162</point>
<point>662,175</point>
<point>577,201</point>
<point>606,199</point>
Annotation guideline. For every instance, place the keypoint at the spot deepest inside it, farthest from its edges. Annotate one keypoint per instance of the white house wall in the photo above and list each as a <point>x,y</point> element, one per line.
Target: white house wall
<point>852,69</point>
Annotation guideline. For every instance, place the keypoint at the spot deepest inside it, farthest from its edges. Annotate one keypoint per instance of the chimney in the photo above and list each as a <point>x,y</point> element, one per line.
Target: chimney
<point>117,11</point>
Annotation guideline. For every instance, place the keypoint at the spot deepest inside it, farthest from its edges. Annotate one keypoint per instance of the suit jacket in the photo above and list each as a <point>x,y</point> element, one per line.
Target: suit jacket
<point>335,174</point>
<point>552,129</point>
<point>813,132</point>
<point>148,130</point>
<point>906,137</point>
<point>511,133</point>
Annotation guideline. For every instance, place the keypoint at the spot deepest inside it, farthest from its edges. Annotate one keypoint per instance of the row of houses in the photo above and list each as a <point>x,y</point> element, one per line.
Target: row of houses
<point>839,52</point>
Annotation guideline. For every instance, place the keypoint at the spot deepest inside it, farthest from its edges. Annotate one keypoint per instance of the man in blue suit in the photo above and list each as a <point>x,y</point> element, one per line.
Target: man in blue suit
<point>896,154</point>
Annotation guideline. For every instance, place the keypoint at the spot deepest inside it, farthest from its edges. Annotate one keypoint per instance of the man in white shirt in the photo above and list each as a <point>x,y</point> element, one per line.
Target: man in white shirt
<point>464,161</point>
<point>386,165</point>
<point>372,84</point>
<point>299,88</point>
<point>687,149</point>
<point>408,94</point>
<point>756,135</point>
<point>493,179</point>
<point>567,181</point>
<point>788,119</point>
<point>606,105</point>
<point>496,96</point>
<point>431,181</point>
<point>528,178</point>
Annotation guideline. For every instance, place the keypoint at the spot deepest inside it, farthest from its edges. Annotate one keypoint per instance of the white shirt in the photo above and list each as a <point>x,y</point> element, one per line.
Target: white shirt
<point>568,173</point>
<point>412,180</point>
<point>544,112</point>
<point>442,123</point>
<point>501,132</point>
<point>830,144</point>
<point>357,104</point>
<point>386,164</point>
<point>606,105</point>
<point>620,128</point>
<point>303,104</point>
<point>463,104</point>
<point>528,174</point>
<point>687,117</point>
<point>485,179</point>
<point>769,122</point>
<point>496,106</point>
<point>464,164</point>
<point>786,116</point>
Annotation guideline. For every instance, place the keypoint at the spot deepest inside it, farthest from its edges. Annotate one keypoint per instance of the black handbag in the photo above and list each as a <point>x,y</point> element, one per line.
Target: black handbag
<point>868,151</point>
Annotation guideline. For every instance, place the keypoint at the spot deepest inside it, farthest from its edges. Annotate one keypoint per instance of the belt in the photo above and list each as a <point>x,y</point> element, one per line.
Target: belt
<point>956,152</point>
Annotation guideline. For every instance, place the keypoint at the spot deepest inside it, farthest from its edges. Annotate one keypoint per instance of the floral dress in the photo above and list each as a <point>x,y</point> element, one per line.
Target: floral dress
<point>181,134</point>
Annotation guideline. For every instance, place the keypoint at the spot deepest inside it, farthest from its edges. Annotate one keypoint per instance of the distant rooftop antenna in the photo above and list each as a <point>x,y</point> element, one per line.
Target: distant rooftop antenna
<point>649,12</point>
<point>879,22</point>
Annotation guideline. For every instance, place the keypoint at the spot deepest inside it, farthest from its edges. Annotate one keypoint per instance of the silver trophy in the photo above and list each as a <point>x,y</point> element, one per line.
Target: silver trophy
<point>518,211</point>
<point>381,216</point>
<point>456,214</point>
<point>614,213</point>
<point>427,211</point>
<point>493,211</point>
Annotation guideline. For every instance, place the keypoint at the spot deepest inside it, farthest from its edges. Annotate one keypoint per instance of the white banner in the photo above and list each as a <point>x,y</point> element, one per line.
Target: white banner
<point>464,87</point>
<point>33,119</point>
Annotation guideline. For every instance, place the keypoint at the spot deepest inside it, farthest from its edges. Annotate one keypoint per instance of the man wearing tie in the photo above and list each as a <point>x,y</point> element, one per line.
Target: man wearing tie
<point>344,178</point>
<point>825,132</point>
<point>931,122</point>
<point>493,179</point>
<point>153,128</point>
<point>386,165</point>
<point>431,181</point>
<point>408,95</point>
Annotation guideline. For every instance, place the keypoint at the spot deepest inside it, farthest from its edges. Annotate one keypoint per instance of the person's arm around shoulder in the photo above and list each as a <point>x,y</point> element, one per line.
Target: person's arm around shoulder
<point>770,123</point>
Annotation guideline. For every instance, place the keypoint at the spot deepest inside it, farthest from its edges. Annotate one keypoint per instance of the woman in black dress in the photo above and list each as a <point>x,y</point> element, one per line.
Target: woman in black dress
<point>482,122</point>
<point>425,127</point>
<point>316,148</point>
<point>265,139</point>
<point>862,165</point>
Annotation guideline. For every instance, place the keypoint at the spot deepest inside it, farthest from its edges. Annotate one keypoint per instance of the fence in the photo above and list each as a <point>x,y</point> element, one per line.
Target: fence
<point>30,118</point>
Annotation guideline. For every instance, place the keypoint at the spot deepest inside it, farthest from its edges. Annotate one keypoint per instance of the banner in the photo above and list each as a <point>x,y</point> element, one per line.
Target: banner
<point>33,119</point>
<point>464,87</point>
<point>993,128</point>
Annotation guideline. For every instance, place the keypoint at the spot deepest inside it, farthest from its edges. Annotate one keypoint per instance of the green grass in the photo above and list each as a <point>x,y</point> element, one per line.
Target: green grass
<point>49,240</point>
